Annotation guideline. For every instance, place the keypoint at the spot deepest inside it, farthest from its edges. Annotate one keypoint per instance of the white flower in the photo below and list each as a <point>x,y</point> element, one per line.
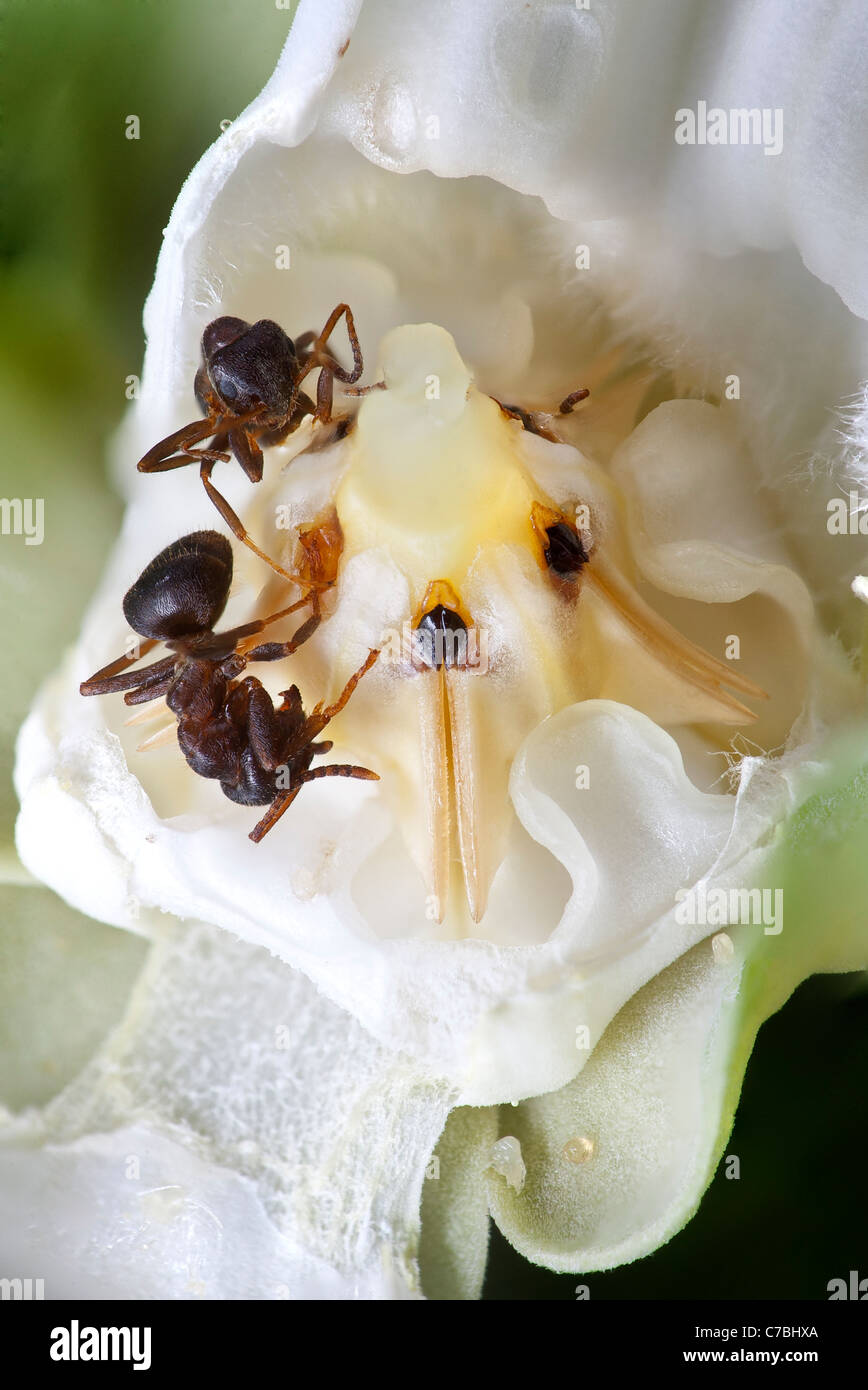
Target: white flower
<point>508,174</point>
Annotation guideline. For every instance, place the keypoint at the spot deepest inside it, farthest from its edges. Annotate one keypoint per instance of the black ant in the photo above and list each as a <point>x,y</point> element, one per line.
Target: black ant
<point>249,388</point>
<point>227,728</point>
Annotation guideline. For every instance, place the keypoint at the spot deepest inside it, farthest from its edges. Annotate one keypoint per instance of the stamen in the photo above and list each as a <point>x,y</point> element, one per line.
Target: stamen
<point>689,661</point>
<point>159,739</point>
<point>148,714</point>
<point>448,745</point>
<point>436,774</point>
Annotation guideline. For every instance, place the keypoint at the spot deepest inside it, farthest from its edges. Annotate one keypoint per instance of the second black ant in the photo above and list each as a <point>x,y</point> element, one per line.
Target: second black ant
<point>228,729</point>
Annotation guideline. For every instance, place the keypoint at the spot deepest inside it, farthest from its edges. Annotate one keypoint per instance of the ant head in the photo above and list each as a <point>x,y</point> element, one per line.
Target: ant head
<point>183,590</point>
<point>565,553</point>
<point>250,364</point>
<point>219,333</point>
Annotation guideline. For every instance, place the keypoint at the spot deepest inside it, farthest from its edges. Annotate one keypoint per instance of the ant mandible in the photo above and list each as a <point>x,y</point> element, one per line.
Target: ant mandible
<point>249,388</point>
<point>227,729</point>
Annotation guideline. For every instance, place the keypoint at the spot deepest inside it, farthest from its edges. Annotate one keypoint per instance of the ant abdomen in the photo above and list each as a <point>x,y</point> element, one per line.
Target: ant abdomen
<point>183,590</point>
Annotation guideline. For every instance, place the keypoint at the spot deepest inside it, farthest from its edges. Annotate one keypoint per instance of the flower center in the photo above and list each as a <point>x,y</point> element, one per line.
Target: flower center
<point>434,474</point>
<point>488,564</point>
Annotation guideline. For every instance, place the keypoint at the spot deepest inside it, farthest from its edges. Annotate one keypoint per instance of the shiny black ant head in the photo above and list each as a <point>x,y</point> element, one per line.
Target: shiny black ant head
<point>183,590</point>
<point>565,552</point>
<point>441,638</point>
<point>250,364</point>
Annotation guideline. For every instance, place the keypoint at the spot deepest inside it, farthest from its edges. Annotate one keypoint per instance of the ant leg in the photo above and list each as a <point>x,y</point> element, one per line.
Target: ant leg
<point>280,804</point>
<point>158,460</point>
<point>151,691</point>
<point>331,710</point>
<point>103,683</point>
<point>283,802</point>
<point>528,419</point>
<point>125,660</point>
<point>331,369</point>
<point>206,455</point>
<point>237,634</point>
<point>516,412</point>
<point>233,521</point>
<point>364,774</point>
<point>531,420</point>
<point>355,345</point>
<point>275,651</point>
<point>248,453</point>
<point>319,357</point>
<point>572,399</point>
<point>381,386</point>
<point>263,728</point>
<point>325,395</point>
<point>319,717</point>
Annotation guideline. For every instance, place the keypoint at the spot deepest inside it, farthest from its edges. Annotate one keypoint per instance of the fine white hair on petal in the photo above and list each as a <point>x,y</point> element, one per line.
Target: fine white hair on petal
<point>653,1099</point>
<point>235,1136</point>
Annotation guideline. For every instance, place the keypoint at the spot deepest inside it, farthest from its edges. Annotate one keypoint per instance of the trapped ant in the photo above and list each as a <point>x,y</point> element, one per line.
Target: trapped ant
<point>531,420</point>
<point>227,729</point>
<point>249,388</point>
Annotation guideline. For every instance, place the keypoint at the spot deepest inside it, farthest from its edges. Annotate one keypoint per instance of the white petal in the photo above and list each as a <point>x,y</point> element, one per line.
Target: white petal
<point>618,1160</point>
<point>453,249</point>
<point>455,1220</point>
<point>236,1137</point>
<point>489,1018</point>
<point>698,532</point>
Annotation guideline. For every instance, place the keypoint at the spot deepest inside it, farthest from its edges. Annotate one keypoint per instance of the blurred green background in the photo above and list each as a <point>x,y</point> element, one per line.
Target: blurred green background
<point>83,211</point>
